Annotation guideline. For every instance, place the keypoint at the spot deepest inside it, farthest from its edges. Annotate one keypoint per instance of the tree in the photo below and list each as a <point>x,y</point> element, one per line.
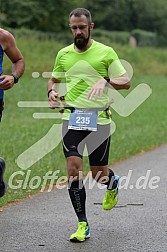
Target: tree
<point>120,15</point>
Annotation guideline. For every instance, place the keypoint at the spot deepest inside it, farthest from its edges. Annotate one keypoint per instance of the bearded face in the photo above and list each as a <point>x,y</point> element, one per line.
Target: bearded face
<point>80,41</point>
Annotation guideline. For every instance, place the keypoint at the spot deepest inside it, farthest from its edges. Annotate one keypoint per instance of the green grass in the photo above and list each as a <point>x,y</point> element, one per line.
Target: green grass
<point>144,129</point>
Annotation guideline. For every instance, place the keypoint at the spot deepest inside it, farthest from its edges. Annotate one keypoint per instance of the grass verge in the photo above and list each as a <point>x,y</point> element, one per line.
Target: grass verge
<point>144,129</point>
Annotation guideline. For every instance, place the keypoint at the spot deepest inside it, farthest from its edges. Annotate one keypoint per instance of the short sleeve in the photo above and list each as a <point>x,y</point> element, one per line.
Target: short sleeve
<point>58,71</point>
<point>115,67</point>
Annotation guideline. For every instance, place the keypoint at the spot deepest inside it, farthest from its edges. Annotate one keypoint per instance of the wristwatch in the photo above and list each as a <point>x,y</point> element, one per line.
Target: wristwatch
<point>16,79</point>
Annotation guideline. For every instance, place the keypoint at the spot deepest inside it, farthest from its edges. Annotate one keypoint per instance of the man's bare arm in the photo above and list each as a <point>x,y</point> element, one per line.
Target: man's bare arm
<point>18,65</point>
<point>118,83</point>
<point>53,91</point>
<point>121,82</point>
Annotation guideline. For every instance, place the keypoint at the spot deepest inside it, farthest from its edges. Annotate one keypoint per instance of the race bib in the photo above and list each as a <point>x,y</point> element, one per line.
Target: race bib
<point>83,119</point>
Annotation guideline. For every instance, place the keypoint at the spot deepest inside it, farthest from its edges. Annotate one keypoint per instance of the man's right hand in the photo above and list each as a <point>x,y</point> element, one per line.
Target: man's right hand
<point>52,99</point>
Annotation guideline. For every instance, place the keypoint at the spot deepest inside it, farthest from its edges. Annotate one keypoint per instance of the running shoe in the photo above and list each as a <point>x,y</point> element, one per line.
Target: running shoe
<point>82,233</point>
<point>111,196</point>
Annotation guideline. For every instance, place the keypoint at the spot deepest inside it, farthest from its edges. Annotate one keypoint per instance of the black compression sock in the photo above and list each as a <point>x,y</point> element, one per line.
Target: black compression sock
<point>78,198</point>
<point>111,183</point>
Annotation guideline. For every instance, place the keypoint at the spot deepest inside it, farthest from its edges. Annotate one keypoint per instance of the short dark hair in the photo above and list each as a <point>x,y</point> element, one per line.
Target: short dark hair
<point>81,11</point>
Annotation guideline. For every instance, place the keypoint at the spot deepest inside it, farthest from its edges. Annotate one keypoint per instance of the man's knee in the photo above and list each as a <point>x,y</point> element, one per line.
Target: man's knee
<point>74,166</point>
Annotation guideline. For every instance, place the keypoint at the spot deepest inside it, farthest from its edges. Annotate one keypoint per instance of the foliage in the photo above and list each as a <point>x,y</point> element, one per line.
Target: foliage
<point>112,15</point>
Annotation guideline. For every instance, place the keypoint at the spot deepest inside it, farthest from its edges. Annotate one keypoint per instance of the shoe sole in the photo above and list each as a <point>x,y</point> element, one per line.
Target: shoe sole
<point>76,240</point>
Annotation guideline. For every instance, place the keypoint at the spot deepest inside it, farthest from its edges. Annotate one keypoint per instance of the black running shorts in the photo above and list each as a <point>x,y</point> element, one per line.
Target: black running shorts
<point>97,143</point>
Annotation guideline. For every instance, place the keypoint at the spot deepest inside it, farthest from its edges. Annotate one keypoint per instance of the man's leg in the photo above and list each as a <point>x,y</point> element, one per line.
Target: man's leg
<point>76,188</point>
<point>2,183</point>
<point>98,160</point>
<point>78,198</point>
<point>106,176</point>
<point>1,108</point>
<point>77,193</point>
<point>2,162</point>
<point>103,175</point>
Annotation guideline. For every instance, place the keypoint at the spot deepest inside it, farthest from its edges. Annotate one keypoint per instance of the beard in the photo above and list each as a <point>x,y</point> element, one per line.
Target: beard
<point>81,42</point>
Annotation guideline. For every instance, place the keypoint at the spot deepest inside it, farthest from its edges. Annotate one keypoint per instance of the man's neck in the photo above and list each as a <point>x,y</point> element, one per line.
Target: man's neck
<point>85,48</point>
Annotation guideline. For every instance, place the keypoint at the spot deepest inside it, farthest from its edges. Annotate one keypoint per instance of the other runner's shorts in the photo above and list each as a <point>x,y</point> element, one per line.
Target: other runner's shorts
<point>1,108</point>
<point>97,143</point>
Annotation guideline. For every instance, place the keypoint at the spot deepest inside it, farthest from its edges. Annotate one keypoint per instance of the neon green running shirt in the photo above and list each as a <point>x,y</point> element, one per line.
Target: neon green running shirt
<point>81,71</point>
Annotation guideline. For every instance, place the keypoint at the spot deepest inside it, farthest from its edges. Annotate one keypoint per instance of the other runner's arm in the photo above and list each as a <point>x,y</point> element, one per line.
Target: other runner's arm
<point>14,54</point>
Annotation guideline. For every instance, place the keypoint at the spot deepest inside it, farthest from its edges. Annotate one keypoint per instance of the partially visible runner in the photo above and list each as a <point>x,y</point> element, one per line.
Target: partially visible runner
<point>8,46</point>
<point>87,64</point>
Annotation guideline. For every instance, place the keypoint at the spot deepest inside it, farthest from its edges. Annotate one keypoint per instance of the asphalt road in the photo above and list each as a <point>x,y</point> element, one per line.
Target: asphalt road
<point>138,222</point>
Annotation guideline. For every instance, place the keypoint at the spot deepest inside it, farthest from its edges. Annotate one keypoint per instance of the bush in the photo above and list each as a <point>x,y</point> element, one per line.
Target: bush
<point>120,37</point>
<point>144,38</point>
<point>25,33</point>
<point>161,41</point>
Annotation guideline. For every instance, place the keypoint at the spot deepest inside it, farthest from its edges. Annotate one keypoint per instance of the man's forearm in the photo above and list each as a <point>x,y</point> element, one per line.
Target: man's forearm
<point>18,67</point>
<point>123,86</point>
<point>121,82</point>
<point>53,84</point>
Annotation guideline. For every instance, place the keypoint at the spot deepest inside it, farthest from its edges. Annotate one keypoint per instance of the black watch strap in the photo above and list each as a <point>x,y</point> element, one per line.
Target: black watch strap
<point>16,79</point>
<point>50,90</point>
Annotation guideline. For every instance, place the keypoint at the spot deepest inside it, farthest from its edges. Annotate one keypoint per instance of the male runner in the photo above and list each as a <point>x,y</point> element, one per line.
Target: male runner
<point>8,46</point>
<point>87,64</point>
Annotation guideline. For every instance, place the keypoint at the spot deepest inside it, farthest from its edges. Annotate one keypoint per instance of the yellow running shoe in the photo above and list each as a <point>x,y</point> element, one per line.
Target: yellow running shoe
<point>82,233</point>
<point>111,196</point>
